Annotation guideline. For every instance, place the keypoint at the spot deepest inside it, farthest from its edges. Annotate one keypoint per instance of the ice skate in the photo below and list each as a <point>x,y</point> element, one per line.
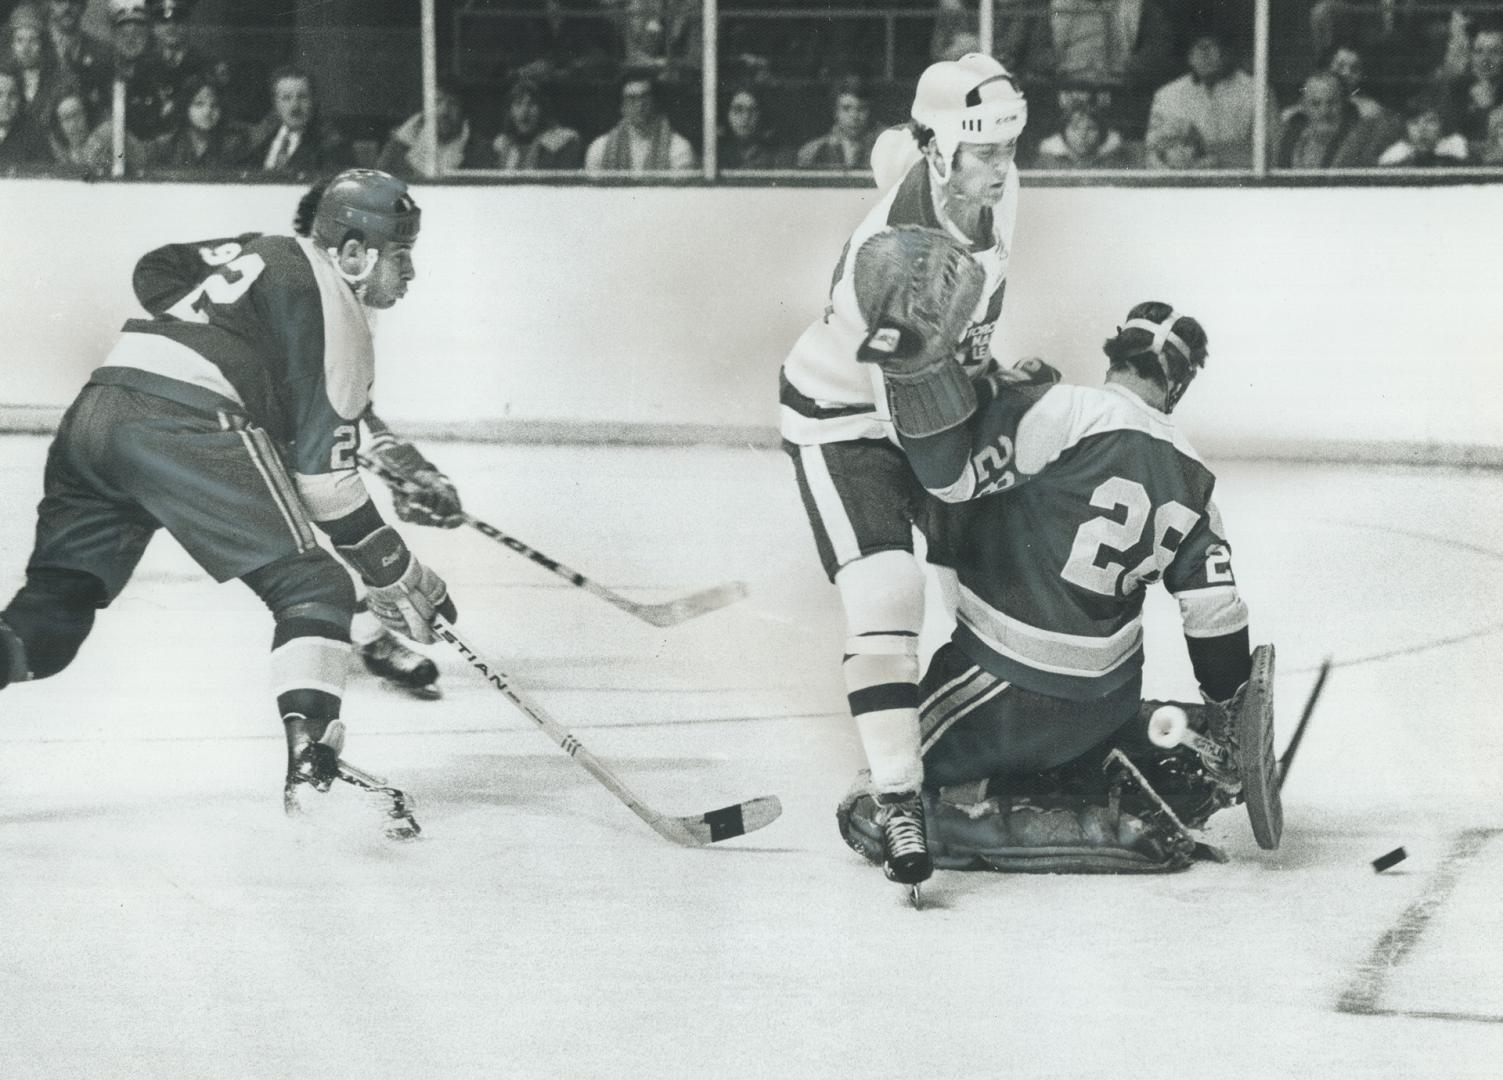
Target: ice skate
<point>905,848</point>
<point>389,659</point>
<point>312,758</point>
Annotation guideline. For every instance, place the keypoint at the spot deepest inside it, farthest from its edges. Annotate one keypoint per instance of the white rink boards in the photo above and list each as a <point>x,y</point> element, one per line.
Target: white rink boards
<point>160,917</point>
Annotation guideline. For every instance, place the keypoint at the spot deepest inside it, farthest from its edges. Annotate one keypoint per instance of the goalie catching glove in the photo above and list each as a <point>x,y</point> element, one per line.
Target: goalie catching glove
<point>917,289</point>
<point>400,591</point>
<point>422,495</point>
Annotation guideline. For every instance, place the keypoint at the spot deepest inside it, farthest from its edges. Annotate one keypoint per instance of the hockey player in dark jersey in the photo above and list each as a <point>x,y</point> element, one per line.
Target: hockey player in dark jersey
<point>162,278</point>
<point>1087,496</point>
<point>235,427</point>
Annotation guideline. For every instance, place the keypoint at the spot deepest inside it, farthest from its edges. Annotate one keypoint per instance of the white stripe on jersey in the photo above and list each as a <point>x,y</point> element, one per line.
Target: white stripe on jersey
<point>1064,654</point>
<point>163,356</point>
<point>331,495</point>
<point>1212,611</point>
<point>349,355</point>
<point>832,515</point>
<point>1067,415</point>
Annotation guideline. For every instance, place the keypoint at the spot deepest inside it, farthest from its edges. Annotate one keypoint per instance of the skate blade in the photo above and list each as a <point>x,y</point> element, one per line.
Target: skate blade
<point>916,896</point>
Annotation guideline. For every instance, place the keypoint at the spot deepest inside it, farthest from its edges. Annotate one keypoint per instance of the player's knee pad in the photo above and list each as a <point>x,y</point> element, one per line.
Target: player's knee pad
<point>312,600</point>
<point>46,622</point>
<point>309,594</point>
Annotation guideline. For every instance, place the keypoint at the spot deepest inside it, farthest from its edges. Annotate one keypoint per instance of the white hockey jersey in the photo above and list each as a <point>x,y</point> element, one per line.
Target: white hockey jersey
<point>825,393</point>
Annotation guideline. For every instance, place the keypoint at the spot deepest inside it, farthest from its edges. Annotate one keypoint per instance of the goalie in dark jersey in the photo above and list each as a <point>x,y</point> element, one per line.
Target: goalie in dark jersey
<point>235,427</point>
<point>162,279</point>
<point>1036,751</point>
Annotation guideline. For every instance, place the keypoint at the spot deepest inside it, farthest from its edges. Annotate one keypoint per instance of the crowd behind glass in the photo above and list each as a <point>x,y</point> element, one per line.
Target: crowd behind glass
<point>124,87</point>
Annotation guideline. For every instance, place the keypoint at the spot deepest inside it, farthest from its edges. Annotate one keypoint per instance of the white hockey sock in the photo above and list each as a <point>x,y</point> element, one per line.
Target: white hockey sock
<point>365,627</point>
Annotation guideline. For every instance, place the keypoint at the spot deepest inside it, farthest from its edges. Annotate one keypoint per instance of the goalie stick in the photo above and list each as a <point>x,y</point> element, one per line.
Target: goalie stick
<point>693,831</point>
<point>1304,718</point>
<point>667,613</point>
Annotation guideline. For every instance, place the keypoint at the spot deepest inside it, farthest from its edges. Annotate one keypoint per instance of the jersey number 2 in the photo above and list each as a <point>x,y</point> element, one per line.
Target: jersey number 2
<point>226,285</point>
<point>1085,566</point>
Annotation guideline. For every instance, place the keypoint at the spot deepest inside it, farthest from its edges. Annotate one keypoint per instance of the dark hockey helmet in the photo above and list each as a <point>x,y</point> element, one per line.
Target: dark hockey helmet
<point>1176,344</point>
<point>368,201</point>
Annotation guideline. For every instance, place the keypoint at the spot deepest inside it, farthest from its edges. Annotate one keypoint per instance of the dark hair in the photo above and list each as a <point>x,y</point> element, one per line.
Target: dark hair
<point>307,206</point>
<point>290,71</point>
<point>1133,348</point>
<point>192,85</point>
<point>849,84</point>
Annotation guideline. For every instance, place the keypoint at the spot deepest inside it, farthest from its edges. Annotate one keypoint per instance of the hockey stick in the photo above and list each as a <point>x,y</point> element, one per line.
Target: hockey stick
<point>667,613</point>
<point>693,831</point>
<point>1299,729</point>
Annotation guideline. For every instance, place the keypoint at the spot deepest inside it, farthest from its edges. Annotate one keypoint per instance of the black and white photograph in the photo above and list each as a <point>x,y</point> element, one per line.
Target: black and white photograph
<point>751,539</point>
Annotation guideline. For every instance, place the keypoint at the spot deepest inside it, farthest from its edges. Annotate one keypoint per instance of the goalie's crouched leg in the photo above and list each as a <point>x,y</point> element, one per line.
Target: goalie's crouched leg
<point>1017,836</point>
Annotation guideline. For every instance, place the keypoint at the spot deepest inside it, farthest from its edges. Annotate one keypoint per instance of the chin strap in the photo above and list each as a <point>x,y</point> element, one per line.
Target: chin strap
<point>371,258</point>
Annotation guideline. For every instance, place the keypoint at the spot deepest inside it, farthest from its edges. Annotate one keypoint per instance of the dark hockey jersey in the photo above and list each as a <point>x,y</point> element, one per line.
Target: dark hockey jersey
<point>265,326</point>
<point>1102,497</point>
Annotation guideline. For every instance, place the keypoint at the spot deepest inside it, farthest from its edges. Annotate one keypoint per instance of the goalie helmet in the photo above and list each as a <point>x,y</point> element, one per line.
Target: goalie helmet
<point>973,99</point>
<point>374,203</point>
<point>1176,342</point>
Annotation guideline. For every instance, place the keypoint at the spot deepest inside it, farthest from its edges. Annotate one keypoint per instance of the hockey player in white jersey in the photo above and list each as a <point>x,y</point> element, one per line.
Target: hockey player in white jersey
<point>1090,495</point>
<point>950,170</point>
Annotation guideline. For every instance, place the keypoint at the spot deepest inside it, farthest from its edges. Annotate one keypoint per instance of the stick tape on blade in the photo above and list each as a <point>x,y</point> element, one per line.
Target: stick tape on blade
<point>1255,756</point>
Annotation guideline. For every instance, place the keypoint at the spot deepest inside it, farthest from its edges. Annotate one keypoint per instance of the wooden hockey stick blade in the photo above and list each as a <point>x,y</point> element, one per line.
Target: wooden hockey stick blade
<point>402,825</point>
<point>1287,758</point>
<point>717,825</point>
<point>673,612</point>
<point>693,831</point>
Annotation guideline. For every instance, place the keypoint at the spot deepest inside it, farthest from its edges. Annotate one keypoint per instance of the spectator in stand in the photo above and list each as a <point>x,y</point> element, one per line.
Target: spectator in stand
<point>848,143</point>
<point>205,138</point>
<point>530,138</point>
<point>658,34</point>
<point>1427,142</point>
<point>148,93</point>
<point>1121,44</point>
<point>77,54</point>
<point>643,141</point>
<point>27,55</point>
<point>1465,100</point>
<point>1346,63</point>
<point>746,142</point>
<point>1177,144</point>
<point>21,143</point>
<point>1217,99</point>
<point>292,139</point>
<point>180,62</point>
<point>1404,40</point>
<point>1085,141</point>
<point>408,155</point>
<point>68,127</point>
<point>1327,130</point>
<point>1490,150</point>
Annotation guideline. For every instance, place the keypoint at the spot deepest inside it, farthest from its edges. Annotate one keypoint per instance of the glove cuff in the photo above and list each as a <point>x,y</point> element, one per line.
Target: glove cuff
<point>380,559</point>
<point>930,401</point>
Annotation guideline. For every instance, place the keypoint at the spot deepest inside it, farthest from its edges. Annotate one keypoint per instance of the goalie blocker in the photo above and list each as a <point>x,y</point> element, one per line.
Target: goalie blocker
<point>1126,806</point>
<point>918,289</point>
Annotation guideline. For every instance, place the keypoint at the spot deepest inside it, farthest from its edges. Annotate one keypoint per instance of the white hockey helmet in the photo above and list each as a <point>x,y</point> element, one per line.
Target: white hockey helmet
<point>973,99</point>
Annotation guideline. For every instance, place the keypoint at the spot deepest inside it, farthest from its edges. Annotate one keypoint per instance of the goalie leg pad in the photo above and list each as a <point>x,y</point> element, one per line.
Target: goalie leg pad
<point>1017,837</point>
<point>1253,732</point>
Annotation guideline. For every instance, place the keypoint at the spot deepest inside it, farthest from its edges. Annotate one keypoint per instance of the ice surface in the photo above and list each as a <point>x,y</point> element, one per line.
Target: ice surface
<point>159,917</point>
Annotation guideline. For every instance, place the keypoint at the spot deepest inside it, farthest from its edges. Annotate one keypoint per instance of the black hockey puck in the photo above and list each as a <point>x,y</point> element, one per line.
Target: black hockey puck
<point>1393,858</point>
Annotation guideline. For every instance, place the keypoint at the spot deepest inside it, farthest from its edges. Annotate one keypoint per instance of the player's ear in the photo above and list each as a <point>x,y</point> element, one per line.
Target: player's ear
<point>351,256</point>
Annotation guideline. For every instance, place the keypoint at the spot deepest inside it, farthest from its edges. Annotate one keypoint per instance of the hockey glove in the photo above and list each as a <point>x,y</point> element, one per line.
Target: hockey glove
<point>422,495</point>
<point>400,591</point>
<point>917,290</point>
